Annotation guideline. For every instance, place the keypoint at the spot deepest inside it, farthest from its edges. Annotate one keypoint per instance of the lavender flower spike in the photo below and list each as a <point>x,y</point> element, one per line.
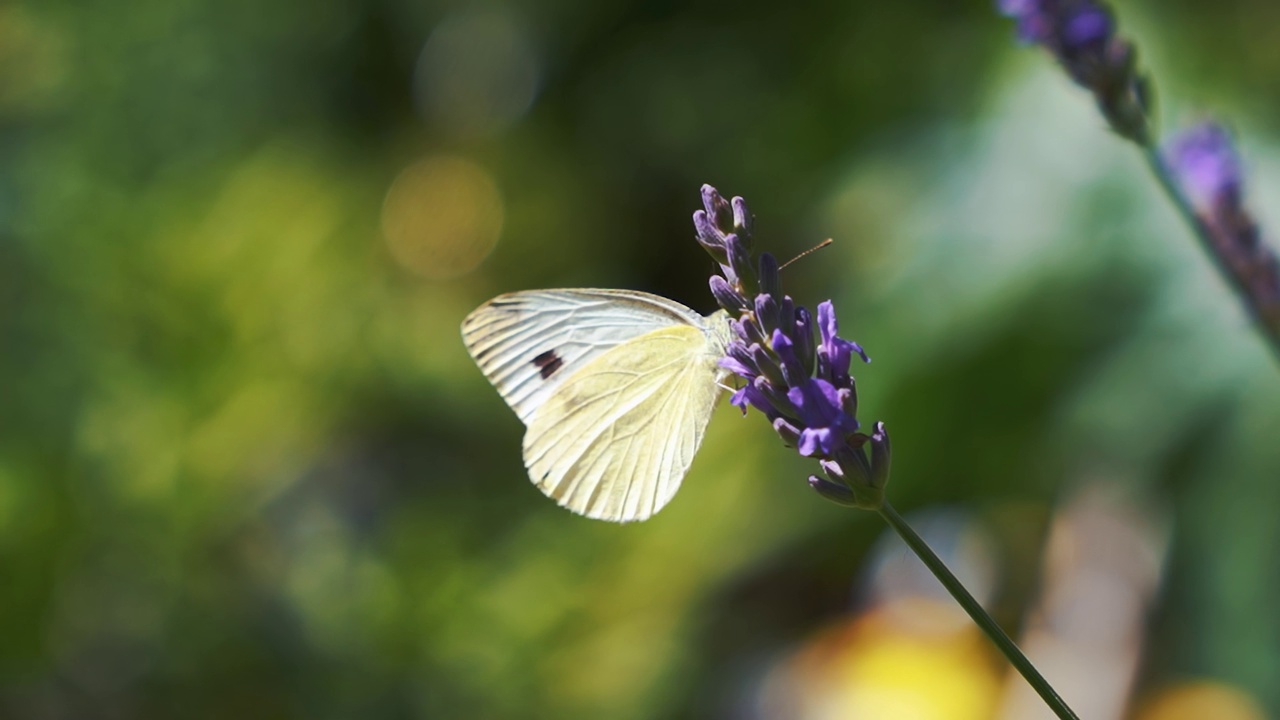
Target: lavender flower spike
<point>1204,164</point>
<point>808,395</point>
<point>803,387</point>
<point>1199,169</point>
<point>1080,34</point>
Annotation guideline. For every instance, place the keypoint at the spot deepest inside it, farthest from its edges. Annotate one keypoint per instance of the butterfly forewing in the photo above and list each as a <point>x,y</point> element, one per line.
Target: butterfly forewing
<point>617,437</point>
<point>528,343</point>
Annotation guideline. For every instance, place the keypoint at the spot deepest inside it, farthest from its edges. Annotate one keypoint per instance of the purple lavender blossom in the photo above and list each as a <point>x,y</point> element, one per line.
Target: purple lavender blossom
<point>1205,163</point>
<point>835,353</point>
<point>1199,168</point>
<point>804,388</point>
<point>1064,26</point>
<point>1081,35</point>
<point>820,407</point>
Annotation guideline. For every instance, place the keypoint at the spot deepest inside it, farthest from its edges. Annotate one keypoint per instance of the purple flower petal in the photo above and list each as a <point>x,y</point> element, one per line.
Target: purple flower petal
<point>1204,160</point>
<point>792,370</point>
<point>737,367</point>
<point>1090,25</point>
<point>1065,26</point>
<point>817,441</point>
<point>822,414</point>
<point>834,352</point>
<point>751,395</point>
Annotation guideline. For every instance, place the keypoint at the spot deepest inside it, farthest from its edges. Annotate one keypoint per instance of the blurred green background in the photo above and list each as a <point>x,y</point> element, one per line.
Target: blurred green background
<point>248,470</point>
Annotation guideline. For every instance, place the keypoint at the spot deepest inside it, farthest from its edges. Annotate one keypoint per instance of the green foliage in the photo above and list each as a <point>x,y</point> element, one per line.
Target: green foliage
<point>247,469</point>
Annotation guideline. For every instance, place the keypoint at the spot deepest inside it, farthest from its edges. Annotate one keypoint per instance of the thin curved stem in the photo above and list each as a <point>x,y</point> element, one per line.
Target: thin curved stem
<point>980,616</point>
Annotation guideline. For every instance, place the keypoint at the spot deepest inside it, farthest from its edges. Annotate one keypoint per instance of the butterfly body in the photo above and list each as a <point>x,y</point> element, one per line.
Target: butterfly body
<point>615,388</point>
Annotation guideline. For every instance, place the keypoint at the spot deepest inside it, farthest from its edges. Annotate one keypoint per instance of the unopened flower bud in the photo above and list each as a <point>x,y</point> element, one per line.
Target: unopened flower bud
<point>740,264</point>
<point>718,209</point>
<point>789,433</point>
<point>880,452</point>
<point>833,470</point>
<point>743,220</point>
<point>726,297</point>
<point>803,335</point>
<point>748,330</point>
<point>770,283</point>
<point>769,367</point>
<point>766,308</point>
<point>835,492</point>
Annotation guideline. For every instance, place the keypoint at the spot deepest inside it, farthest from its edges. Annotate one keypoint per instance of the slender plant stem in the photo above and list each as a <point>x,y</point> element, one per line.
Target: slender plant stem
<point>1205,235</point>
<point>980,616</point>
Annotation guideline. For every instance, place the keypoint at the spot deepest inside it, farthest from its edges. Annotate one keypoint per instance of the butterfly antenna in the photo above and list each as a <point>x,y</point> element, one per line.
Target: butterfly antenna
<point>810,251</point>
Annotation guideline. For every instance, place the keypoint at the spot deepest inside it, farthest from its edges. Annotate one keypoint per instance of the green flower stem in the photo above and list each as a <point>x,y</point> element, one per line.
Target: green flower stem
<point>980,616</point>
<point>1266,322</point>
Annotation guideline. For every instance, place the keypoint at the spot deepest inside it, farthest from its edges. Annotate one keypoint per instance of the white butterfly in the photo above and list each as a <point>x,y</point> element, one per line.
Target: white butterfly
<point>615,387</point>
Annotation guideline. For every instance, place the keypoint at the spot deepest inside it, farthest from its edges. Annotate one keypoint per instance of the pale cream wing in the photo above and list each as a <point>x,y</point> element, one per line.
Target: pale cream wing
<point>527,343</point>
<point>617,437</point>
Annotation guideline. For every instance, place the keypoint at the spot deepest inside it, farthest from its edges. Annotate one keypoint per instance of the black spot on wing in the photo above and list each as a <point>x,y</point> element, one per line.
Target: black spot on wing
<point>548,363</point>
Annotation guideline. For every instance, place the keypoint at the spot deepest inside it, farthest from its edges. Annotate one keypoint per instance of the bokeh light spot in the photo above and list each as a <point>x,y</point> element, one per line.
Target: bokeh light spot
<point>442,216</point>
<point>33,63</point>
<point>477,74</point>
<point>874,666</point>
<point>1196,700</point>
